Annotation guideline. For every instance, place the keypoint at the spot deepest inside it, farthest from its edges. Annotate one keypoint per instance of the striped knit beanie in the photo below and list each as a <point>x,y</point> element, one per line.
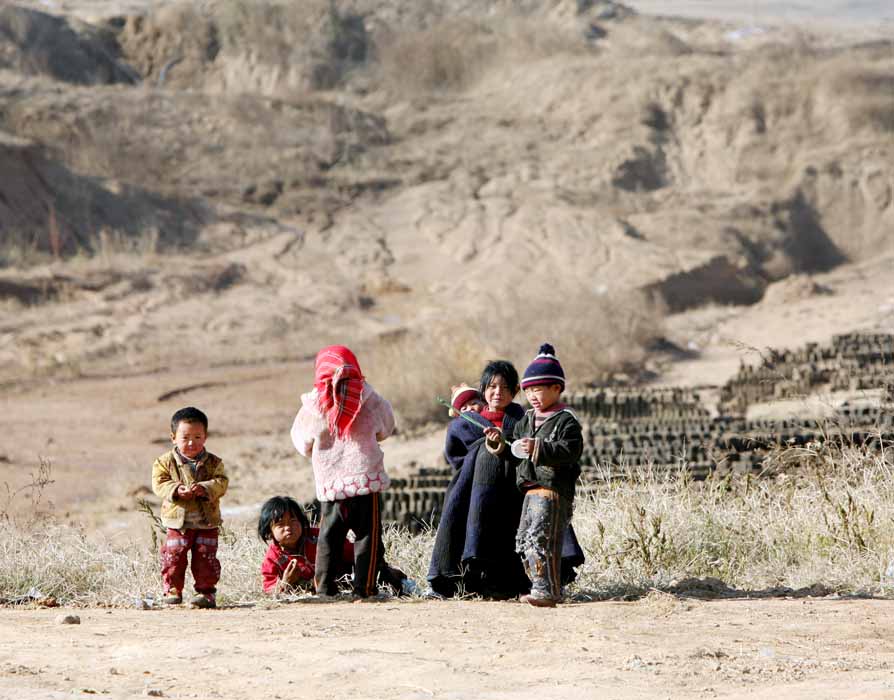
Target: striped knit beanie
<point>545,369</point>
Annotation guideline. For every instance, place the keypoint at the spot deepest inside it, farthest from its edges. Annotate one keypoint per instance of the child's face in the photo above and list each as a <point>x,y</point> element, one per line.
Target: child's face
<point>498,393</point>
<point>287,530</point>
<point>475,405</point>
<point>542,397</point>
<point>190,439</point>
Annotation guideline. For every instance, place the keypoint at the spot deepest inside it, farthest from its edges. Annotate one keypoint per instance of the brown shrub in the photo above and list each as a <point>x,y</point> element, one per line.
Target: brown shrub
<point>412,368</point>
<point>595,338</point>
<point>456,52</point>
<point>865,91</point>
<point>449,56</point>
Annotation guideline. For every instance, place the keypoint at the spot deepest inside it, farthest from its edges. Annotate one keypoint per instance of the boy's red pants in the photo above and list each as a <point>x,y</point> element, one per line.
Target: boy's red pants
<point>205,566</point>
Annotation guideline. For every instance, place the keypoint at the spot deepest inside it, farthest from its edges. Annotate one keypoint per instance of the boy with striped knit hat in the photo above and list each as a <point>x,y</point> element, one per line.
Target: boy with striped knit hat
<point>339,427</point>
<point>547,447</point>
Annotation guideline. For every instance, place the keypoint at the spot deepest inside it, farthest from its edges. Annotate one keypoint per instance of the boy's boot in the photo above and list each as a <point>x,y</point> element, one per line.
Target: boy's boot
<point>172,597</point>
<point>538,601</point>
<point>203,600</point>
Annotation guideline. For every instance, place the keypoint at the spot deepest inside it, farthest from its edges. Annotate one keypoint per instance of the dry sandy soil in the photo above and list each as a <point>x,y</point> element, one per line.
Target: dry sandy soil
<point>658,647</point>
<point>191,207</point>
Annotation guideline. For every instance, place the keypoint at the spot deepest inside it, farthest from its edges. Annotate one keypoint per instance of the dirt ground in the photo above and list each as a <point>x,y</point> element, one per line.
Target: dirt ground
<point>658,647</point>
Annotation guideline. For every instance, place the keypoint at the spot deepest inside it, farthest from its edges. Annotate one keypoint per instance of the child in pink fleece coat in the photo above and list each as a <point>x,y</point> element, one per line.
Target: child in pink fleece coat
<point>339,427</point>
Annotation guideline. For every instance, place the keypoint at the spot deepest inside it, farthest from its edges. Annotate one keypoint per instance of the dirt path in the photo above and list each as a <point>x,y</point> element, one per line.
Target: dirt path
<point>102,433</point>
<point>659,647</point>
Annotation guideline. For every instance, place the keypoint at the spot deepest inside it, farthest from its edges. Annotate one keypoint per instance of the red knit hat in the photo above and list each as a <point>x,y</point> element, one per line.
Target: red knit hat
<point>545,369</point>
<point>461,395</point>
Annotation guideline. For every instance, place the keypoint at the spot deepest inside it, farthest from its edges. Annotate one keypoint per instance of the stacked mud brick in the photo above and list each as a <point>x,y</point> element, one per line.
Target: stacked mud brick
<point>852,362</point>
<point>416,501</point>
<point>637,428</point>
<point>663,429</point>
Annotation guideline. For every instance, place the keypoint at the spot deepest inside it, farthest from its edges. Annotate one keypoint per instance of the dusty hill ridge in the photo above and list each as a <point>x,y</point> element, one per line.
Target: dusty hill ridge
<point>582,142</point>
<point>376,162</point>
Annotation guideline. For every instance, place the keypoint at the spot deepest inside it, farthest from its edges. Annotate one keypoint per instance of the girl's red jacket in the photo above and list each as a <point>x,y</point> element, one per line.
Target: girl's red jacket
<point>277,559</point>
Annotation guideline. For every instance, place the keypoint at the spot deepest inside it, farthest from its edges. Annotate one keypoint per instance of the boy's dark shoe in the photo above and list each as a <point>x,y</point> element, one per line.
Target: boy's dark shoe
<point>537,601</point>
<point>394,578</point>
<point>203,600</point>
<point>172,597</point>
<point>374,598</point>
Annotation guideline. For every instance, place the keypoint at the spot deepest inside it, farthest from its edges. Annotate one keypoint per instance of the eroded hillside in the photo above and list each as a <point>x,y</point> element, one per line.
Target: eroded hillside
<point>380,166</point>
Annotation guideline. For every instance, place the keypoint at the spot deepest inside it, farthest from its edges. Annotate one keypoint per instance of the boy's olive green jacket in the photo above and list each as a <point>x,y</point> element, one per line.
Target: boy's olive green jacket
<point>169,472</point>
<point>555,461</point>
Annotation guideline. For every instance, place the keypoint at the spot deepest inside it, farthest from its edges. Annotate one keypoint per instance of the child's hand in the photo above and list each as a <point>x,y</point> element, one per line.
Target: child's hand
<point>198,491</point>
<point>493,434</point>
<point>525,446</point>
<point>291,575</point>
<point>184,494</point>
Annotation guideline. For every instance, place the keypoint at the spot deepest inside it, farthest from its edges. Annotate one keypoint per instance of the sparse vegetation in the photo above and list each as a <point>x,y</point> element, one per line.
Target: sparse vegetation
<point>596,338</point>
<point>412,368</point>
<point>828,524</point>
<point>449,56</point>
<point>457,51</point>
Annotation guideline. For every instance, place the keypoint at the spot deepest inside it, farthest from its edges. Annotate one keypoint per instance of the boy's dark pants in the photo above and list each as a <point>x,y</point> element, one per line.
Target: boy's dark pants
<point>545,516</point>
<point>205,566</point>
<point>360,514</point>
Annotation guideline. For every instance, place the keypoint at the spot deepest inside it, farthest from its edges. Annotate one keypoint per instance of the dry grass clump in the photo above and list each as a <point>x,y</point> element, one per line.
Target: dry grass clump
<point>456,52</point>
<point>412,368</point>
<point>76,568</point>
<point>449,56</point>
<point>312,36</point>
<point>870,97</point>
<point>831,522</point>
<point>829,525</point>
<point>596,338</point>
<point>859,86</point>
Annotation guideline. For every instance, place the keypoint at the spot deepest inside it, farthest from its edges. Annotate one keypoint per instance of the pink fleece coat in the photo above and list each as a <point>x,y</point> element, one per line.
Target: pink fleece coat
<point>351,466</point>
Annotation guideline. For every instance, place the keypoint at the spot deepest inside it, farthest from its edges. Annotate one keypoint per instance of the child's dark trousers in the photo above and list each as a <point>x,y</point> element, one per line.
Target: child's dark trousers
<point>545,516</point>
<point>202,544</point>
<point>362,515</point>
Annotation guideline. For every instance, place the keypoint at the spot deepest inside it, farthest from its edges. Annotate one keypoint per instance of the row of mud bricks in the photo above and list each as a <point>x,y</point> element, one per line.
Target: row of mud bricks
<point>629,430</point>
<point>853,362</point>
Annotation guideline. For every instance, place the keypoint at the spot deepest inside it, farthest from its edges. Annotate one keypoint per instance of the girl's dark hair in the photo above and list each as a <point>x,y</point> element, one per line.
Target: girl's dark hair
<point>274,509</point>
<point>499,368</point>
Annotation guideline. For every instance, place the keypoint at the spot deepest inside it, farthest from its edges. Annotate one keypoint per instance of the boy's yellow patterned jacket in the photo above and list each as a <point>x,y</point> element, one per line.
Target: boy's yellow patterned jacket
<point>169,472</point>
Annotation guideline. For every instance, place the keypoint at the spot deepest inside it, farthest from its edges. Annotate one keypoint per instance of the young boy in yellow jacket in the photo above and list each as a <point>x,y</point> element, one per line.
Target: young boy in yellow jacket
<point>190,481</point>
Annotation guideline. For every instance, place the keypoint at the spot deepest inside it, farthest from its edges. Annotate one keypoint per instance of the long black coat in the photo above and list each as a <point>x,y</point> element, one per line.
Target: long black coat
<point>474,550</point>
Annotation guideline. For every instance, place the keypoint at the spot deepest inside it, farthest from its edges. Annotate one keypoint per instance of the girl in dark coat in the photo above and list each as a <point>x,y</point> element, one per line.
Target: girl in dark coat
<point>474,550</point>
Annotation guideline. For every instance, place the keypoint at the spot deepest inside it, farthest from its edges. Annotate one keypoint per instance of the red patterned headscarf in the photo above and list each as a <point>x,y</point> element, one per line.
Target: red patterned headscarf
<point>339,384</point>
